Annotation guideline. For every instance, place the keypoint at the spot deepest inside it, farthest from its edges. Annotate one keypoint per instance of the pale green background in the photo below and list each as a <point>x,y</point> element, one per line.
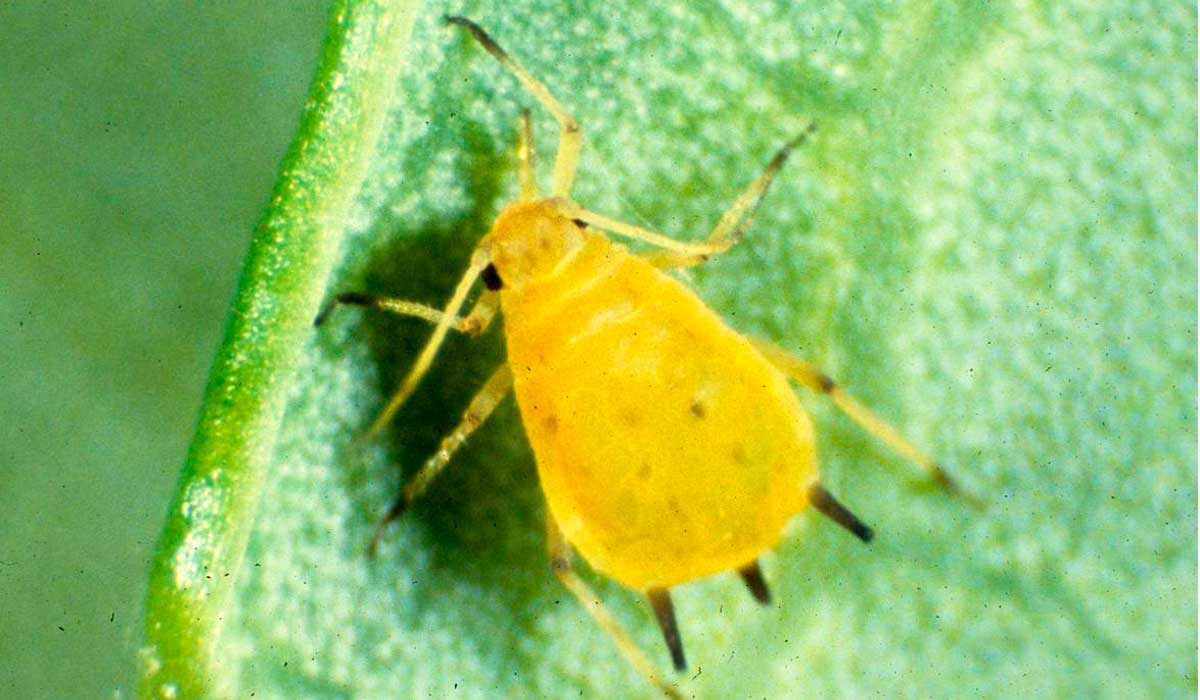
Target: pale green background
<point>138,145</point>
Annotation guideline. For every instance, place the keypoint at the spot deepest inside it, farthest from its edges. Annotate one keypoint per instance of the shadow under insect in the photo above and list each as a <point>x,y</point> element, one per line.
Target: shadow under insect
<point>482,517</point>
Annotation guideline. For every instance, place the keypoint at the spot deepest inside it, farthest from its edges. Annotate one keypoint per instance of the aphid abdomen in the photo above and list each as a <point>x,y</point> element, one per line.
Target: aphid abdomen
<point>668,448</point>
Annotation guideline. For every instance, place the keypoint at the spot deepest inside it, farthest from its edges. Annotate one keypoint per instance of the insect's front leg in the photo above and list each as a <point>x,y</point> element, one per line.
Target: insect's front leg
<point>489,396</point>
<point>570,138</point>
<point>728,231</point>
<point>474,323</point>
<point>734,222</point>
<point>449,314</point>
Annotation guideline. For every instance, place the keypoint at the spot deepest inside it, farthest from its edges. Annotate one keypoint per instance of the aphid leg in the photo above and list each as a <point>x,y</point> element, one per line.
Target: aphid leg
<point>571,210</point>
<point>812,377</point>
<point>664,612</point>
<point>831,508</point>
<point>479,318</point>
<point>474,323</point>
<point>753,576</point>
<point>725,234</point>
<point>570,138</point>
<point>479,261</point>
<point>560,562</point>
<point>486,399</point>
<point>734,222</point>
<point>526,155</point>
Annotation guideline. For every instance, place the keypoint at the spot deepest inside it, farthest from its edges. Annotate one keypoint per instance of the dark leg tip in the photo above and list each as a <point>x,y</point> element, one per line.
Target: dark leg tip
<point>797,141</point>
<point>950,485</point>
<point>753,576</point>
<point>664,612</point>
<point>323,314</point>
<point>352,298</point>
<point>396,511</point>
<point>829,506</point>
<point>373,545</point>
<point>678,662</point>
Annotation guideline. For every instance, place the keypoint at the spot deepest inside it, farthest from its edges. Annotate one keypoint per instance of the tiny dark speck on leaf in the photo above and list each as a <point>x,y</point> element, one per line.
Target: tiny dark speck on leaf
<point>61,628</point>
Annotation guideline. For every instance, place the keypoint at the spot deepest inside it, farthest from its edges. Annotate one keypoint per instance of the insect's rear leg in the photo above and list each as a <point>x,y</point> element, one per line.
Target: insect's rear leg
<point>570,138</point>
<point>812,377</point>
<point>474,323</point>
<point>734,222</point>
<point>560,562</point>
<point>486,399</point>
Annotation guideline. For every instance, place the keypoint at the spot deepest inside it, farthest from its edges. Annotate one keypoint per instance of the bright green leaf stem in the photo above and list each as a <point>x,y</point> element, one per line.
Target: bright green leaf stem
<point>291,256</point>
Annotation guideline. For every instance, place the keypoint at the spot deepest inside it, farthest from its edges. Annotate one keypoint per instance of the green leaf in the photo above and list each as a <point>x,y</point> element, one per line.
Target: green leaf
<point>991,240</point>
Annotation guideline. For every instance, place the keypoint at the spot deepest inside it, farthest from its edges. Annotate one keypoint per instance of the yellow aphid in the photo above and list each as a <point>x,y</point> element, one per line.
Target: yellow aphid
<point>669,446</point>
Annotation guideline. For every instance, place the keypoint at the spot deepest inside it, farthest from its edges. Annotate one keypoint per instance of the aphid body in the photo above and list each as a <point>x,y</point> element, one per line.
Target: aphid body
<point>669,446</point>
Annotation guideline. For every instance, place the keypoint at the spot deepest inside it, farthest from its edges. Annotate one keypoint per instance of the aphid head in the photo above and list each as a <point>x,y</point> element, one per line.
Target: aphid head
<point>530,240</point>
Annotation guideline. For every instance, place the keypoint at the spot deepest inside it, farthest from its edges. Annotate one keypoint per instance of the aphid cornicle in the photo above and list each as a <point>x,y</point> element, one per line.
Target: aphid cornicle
<point>669,446</point>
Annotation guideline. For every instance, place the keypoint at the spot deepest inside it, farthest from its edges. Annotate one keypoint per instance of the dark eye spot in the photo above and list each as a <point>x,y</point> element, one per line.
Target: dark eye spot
<point>491,278</point>
<point>579,222</point>
<point>698,409</point>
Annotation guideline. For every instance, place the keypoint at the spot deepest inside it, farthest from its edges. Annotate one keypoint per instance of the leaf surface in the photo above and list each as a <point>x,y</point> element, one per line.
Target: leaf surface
<point>991,241</point>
